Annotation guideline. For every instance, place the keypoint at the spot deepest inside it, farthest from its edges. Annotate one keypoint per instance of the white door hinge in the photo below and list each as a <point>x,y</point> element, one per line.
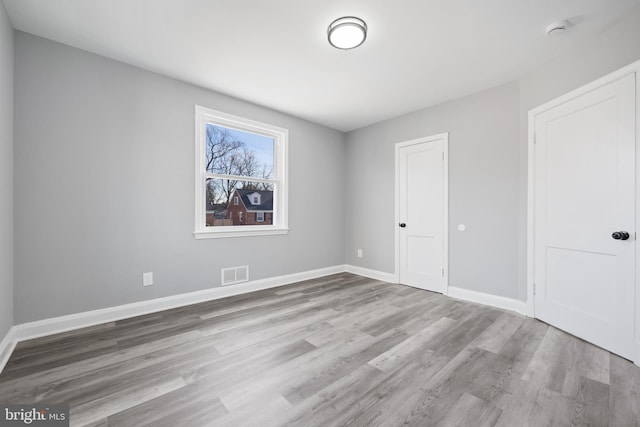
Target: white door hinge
<point>534,288</point>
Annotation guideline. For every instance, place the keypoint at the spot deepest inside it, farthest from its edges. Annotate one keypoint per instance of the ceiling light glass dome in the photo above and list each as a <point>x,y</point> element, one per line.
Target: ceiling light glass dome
<point>347,32</point>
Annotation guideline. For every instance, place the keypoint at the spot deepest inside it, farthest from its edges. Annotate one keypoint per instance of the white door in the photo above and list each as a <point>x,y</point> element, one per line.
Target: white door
<point>584,180</point>
<point>421,213</point>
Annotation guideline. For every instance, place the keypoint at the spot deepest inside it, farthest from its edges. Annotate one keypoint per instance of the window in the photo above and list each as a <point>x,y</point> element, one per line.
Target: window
<point>239,160</point>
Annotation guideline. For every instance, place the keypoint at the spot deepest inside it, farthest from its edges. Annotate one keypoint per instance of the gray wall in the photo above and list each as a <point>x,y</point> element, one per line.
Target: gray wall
<point>6,173</point>
<point>488,166</point>
<point>483,188</point>
<point>104,180</point>
<point>104,187</point>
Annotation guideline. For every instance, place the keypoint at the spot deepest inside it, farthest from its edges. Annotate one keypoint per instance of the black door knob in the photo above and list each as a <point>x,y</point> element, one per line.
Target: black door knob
<point>402,224</point>
<point>620,235</point>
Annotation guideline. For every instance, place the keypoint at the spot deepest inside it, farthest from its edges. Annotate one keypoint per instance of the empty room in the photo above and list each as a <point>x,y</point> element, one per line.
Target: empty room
<point>305,213</point>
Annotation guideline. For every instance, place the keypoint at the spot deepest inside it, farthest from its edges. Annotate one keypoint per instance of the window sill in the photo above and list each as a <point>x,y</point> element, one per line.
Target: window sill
<point>238,233</point>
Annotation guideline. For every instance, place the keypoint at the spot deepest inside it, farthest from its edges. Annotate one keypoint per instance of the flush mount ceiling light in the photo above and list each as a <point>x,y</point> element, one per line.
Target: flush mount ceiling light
<point>347,32</point>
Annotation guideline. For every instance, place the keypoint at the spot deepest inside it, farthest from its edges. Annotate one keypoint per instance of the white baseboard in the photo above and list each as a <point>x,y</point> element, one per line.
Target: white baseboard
<point>488,299</point>
<point>453,292</point>
<point>372,274</point>
<point>7,345</point>
<point>70,322</point>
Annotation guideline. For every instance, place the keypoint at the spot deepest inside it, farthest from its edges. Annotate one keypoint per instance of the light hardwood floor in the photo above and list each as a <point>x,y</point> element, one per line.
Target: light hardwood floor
<point>341,350</point>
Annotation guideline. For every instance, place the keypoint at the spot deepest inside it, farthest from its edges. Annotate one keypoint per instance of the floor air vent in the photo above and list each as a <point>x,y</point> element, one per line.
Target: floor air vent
<point>233,275</point>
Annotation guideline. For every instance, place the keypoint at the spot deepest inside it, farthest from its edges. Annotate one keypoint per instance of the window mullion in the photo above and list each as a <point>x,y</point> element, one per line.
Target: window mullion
<point>208,175</point>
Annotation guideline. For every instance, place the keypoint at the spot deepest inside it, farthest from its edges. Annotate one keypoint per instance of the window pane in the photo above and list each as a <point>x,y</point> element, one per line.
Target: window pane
<point>235,152</point>
<point>254,207</point>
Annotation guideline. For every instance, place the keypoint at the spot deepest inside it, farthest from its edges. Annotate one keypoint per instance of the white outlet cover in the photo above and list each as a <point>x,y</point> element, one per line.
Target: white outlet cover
<point>147,279</point>
<point>359,253</point>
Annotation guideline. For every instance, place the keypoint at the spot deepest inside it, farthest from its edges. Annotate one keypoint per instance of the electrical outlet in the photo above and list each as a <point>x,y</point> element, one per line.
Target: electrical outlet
<point>147,279</point>
<point>359,253</point>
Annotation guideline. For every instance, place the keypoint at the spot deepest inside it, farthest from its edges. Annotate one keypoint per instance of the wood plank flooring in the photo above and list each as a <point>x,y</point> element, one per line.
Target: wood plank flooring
<point>336,351</point>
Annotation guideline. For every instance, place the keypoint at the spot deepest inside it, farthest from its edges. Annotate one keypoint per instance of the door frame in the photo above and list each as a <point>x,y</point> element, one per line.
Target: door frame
<point>603,81</point>
<point>444,137</point>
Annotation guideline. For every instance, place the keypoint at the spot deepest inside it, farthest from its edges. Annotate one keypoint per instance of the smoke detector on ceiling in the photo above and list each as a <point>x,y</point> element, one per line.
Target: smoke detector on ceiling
<point>557,27</point>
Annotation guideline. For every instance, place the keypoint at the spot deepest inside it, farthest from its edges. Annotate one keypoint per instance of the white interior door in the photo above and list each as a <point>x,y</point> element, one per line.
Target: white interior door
<point>422,213</point>
<point>584,178</point>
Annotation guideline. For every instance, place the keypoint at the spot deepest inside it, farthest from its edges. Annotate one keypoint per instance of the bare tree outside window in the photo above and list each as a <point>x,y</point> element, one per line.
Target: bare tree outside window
<point>241,160</point>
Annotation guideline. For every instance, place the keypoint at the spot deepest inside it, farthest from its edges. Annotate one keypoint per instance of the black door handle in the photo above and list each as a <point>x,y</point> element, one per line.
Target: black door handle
<point>620,235</point>
<point>402,225</point>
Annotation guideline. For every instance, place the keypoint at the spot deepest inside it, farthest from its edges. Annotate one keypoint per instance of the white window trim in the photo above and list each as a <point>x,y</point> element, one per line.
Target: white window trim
<point>260,220</point>
<point>280,136</point>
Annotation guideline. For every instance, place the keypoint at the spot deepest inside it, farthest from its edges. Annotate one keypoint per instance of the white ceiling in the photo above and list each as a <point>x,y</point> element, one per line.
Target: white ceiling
<point>275,52</point>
